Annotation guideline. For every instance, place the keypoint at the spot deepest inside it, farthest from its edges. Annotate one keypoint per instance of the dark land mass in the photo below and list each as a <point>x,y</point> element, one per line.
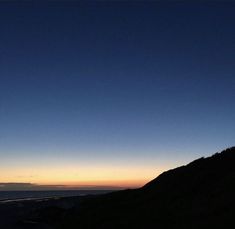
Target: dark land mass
<point>198,195</point>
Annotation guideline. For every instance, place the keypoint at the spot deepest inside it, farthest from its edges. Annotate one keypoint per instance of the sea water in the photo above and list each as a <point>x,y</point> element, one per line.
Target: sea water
<point>30,195</point>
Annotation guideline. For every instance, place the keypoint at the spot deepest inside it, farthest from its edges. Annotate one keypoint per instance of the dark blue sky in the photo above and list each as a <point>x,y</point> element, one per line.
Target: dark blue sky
<point>123,84</point>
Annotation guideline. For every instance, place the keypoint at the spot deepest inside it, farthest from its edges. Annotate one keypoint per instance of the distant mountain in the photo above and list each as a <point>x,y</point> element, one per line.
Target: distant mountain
<point>198,195</point>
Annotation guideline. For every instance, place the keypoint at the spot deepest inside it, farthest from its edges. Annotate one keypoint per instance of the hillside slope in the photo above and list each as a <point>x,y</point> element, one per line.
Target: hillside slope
<point>198,195</point>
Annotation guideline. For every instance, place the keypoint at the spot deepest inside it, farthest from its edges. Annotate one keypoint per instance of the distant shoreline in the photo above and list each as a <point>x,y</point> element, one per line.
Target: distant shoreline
<point>5,201</point>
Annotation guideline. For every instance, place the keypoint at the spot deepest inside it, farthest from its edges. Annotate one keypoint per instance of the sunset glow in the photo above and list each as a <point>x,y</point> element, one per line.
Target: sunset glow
<point>117,176</point>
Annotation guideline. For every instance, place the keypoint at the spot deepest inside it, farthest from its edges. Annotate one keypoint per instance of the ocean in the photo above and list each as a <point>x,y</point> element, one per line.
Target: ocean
<point>8,196</point>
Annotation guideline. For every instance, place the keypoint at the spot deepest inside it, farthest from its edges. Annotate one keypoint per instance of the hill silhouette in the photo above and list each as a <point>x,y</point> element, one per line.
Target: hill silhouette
<point>198,195</point>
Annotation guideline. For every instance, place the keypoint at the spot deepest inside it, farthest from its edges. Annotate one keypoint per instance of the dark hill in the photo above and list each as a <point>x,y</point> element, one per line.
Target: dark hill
<point>198,195</point>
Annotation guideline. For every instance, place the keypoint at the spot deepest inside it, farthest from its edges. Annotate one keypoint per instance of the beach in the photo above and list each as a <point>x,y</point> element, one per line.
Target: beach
<point>25,212</point>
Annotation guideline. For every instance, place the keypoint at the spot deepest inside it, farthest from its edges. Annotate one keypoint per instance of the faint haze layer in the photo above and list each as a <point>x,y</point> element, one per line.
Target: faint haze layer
<point>113,93</point>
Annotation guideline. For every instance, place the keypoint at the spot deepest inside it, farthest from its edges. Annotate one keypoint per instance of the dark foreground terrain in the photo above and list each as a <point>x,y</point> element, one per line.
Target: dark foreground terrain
<point>198,195</point>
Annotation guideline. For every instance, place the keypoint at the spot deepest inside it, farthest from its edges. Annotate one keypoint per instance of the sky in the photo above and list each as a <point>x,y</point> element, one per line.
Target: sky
<point>113,93</point>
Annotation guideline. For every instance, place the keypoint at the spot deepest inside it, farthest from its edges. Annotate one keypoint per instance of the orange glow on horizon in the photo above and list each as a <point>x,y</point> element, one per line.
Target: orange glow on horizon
<point>75,175</point>
<point>78,176</point>
<point>100,183</point>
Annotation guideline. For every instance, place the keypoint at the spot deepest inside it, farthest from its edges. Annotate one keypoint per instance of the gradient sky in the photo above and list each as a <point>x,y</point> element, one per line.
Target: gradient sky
<point>113,93</point>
